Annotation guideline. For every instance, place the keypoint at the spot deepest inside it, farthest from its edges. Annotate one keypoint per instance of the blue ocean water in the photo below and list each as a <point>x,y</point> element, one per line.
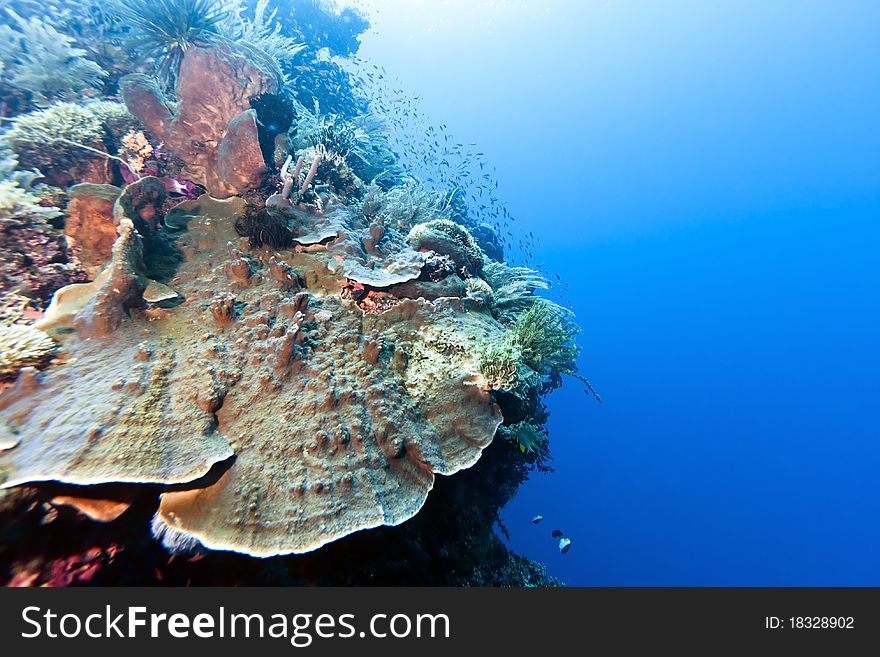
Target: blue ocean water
<point>705,177</point>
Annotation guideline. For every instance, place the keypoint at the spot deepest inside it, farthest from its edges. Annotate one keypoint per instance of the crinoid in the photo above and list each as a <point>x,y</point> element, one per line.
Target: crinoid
<point>264,227</point>
<point>163,30</point>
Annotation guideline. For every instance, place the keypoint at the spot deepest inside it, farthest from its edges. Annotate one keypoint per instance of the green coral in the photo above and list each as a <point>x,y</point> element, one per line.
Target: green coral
<point>54,137</point>
<point>545,336</point>
<point>446,237</point>
<point>37,59</point>
<point>500,361</point>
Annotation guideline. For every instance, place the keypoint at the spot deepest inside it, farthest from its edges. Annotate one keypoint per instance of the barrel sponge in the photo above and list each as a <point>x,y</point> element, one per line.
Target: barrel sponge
<point>448,238</point>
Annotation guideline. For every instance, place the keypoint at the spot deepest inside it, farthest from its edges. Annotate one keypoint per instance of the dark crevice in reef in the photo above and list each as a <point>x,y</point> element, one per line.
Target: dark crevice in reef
<point>274,116</point>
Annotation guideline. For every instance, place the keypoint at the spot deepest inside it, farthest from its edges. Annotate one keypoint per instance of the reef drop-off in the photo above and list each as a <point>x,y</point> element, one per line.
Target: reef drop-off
<point>274,356</point>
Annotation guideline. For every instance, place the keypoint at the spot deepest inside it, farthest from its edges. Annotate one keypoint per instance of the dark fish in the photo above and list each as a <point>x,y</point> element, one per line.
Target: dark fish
<point>556,533</point>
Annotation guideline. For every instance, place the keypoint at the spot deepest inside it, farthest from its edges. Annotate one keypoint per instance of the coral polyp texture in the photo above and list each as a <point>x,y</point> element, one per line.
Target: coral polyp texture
<point>22,345</point>
<point>233,322</point>
<point>331,434</point>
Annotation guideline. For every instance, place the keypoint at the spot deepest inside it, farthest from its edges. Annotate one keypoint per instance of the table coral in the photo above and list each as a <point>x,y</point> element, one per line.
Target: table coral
<point>330,433</point>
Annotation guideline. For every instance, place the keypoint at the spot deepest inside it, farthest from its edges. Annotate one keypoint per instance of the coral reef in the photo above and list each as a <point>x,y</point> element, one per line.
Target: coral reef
<point>90,228</point>
<point>213,129</point>
<point>22,345</point>
<point>266,338</point>
<point>67,141</point>
<point>40,61</point>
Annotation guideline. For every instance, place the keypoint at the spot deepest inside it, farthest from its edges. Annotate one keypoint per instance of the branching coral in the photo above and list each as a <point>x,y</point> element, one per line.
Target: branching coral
<point>60,139</point>
<point>38,59</point>
<point>40,138</point>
